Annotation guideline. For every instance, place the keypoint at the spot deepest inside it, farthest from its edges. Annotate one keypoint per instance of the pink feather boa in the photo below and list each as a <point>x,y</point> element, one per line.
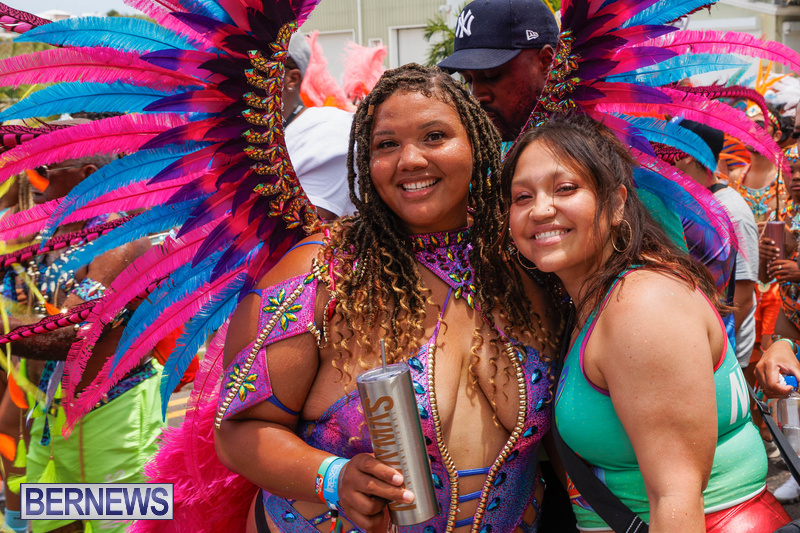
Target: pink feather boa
<point>208,496</point>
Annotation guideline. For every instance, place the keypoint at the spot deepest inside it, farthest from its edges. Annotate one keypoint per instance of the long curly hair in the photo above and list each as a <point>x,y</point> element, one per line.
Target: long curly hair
<point>378,285</point>
<point>591,149</point>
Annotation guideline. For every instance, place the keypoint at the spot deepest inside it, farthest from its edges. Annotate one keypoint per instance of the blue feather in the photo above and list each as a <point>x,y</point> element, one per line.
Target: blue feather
<point>116,97</point>
<point>739,78</point>
<point>656,130</point>
<point>208,8</point>
<point>680,67</point>
<point>121,33</point>
<point>184,281</point>
<point>140,166</point>
<point>199,328</point>
<point>666,11</point>
<point>672,194</point>
<point>158,219</point>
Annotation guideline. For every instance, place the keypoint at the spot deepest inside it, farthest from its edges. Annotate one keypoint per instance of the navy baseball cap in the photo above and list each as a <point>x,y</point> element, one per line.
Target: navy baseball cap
<point>490,33</point>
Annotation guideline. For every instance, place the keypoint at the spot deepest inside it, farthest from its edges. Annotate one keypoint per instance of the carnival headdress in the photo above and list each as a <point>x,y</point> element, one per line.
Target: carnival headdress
<point>201,92</point>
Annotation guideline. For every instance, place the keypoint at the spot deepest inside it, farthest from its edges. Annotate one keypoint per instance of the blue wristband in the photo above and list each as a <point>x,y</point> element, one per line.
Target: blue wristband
<point>330,485</point>
<point>15,523</point>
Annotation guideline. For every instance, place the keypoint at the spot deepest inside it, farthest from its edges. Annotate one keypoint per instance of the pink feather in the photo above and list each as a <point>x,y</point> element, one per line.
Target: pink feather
<point>150,267</point>
<point>131,197</point>
<point>302,9</point>
<point>709,112</point>
<point>28,222</point>
<point>173,317</point>
<point>103,65</point>
<point>166,5</point>
<point>319,87</point>
<point>188,459</point>
<point>619,12</point>
<point>363,68</point>
<point>714,212</point>
<point>113,135</point>
<point>237,11</point>
<point>718,42</point>
<point>164,18</point>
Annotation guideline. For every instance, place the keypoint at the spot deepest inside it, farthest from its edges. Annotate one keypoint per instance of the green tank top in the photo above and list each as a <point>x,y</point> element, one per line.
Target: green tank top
<point>589,425</point>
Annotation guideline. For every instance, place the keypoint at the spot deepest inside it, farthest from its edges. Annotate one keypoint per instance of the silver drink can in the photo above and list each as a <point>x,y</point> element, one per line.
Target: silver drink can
<point>392,417</point>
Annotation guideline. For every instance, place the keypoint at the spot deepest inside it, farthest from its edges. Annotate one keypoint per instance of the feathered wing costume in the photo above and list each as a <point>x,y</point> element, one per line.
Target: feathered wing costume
<point>201,93</point>
<point>621,63</point>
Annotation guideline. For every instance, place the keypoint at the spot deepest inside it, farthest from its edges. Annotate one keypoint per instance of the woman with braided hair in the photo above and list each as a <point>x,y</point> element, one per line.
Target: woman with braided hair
<point>420,267</point>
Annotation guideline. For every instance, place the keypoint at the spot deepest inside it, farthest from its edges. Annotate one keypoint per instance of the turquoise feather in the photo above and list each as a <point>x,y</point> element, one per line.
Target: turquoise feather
<point>200,327</point>
<point>656,130</point>
<point>666,11</point>
<point>680,67</point>
<point>75,97</point>
<point>134,168</point>
<point>121,33</point>
<point>181,283</point>
<point>209,8</point>
<point>158,219</point>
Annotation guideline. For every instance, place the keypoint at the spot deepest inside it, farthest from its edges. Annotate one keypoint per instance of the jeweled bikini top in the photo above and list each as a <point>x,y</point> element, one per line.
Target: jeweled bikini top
<point>287,309</point>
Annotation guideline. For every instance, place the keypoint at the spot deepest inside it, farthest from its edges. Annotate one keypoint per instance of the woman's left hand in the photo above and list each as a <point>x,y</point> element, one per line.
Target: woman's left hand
<point>784,270</point>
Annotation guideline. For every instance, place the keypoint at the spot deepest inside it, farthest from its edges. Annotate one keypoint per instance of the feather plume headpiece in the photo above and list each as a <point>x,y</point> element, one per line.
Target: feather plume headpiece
<point>319,87</point>
<point>203,89</point>
<point>363,68</point>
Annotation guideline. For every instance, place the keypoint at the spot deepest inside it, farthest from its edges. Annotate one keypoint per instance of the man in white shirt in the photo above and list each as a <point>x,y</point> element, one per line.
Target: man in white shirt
<point>317,139</point>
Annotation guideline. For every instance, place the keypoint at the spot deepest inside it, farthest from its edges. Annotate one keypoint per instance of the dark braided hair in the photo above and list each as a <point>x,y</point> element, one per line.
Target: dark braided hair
<point>377,279</point>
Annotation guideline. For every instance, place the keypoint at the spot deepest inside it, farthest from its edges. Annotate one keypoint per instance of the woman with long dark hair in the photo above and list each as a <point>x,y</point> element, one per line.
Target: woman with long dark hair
<point>651,394</point>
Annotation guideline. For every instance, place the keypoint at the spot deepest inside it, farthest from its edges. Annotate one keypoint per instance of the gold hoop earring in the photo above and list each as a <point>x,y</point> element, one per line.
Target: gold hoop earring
<point>619,233</point>
<point>521,258</point>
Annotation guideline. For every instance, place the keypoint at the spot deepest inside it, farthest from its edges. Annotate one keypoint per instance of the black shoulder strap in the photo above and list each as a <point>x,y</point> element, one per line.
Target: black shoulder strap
<point>787,452</point>
<point>613,512</point>
<point>716,187</point>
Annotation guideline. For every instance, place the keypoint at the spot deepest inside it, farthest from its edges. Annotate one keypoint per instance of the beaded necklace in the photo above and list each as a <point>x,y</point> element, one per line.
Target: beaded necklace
<point>446,254</point>
<point>759,199</point>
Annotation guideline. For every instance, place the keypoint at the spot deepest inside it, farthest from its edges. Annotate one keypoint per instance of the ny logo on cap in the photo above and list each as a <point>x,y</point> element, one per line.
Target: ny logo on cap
<point>531,35</point>
<point>464,26</point>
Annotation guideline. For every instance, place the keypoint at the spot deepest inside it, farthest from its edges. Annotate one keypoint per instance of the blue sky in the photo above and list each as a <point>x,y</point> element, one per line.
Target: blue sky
<point>73,6</point>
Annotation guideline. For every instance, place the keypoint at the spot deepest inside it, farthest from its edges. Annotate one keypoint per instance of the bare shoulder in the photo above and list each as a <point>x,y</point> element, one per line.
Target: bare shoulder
<point>643,289</point>
<point>650,301</point>
<point>296,262</point>
<point>244,321</point>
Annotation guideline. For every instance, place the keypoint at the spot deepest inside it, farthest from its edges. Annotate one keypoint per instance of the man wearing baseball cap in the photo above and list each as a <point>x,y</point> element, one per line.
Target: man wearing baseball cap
<point>504,49</point>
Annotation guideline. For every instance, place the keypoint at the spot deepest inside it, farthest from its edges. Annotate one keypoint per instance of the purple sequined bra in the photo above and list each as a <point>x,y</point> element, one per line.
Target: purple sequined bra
<point>287,310</point>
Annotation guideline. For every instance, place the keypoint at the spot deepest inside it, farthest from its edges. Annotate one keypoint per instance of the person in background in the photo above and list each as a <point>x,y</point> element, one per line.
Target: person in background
<point>114,440</point>
<point>316,138</point>
<point>786,274</point>
<point>742,293</point>
<point>18,197</point>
